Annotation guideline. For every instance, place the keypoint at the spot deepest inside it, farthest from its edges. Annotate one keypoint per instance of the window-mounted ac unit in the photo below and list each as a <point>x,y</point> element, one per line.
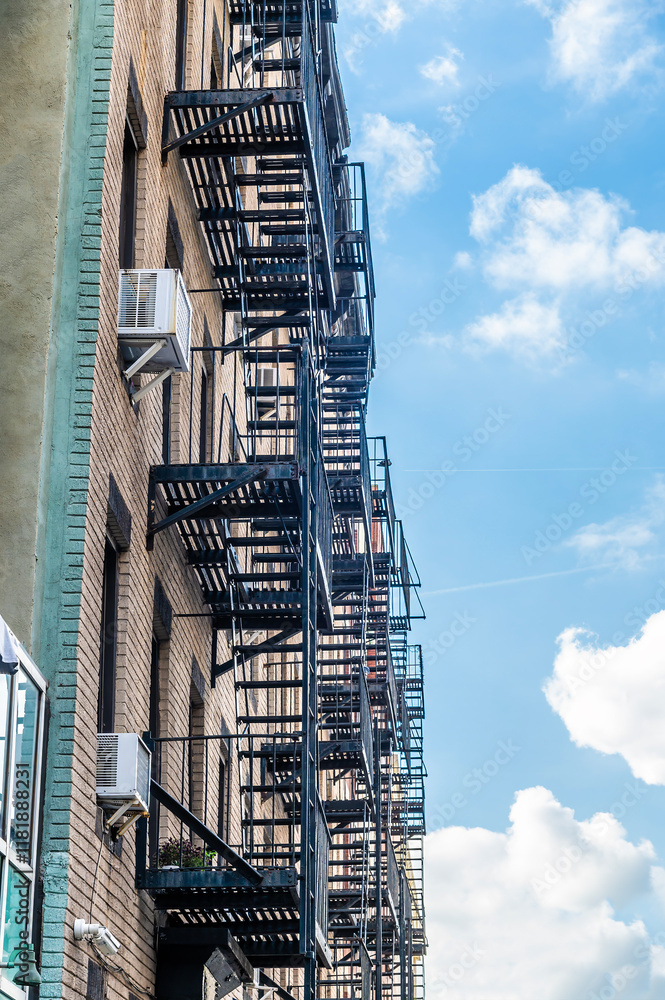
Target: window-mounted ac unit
<point>153,306</point>
<point>123,772</point>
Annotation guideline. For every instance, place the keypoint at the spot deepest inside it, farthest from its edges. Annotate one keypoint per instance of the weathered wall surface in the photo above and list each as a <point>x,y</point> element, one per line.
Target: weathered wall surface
<point>33,66</point>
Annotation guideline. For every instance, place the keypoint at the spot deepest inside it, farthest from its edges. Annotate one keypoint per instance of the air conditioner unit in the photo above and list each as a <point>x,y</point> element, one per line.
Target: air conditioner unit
<point>123,772</point>
<point>153,306</point>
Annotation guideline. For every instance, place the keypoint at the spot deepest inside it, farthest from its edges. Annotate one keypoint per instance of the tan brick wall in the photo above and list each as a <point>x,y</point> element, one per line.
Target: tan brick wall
<point>126,441</point>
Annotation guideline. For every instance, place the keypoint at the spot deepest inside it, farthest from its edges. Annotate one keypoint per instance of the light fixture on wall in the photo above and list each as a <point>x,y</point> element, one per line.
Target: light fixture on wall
<point>22,956</point>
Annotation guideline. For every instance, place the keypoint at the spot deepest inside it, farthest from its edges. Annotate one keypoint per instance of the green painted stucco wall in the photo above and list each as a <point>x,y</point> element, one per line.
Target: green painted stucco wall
<point>63,491</point>
<point>34,52</point>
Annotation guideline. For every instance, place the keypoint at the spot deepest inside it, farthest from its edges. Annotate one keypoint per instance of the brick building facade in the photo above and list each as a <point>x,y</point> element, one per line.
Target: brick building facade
<point>219,569</point>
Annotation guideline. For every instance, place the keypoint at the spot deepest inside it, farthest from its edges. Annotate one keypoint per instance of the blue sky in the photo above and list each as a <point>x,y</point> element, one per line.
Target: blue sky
<point>517,185</point>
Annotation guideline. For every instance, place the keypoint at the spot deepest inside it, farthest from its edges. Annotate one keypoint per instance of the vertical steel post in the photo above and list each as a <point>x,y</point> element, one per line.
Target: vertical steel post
<point>379,887</point>
<point>308,839</point>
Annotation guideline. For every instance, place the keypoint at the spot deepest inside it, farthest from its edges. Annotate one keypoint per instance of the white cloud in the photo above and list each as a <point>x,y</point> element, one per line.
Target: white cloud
<point>599,46</point>
<point>463,260</point>
<point>622,540</point>
<point>389,15</point>
<point>530,912</point>
<point>443,70</point>
<point>561,241</point>
<point>401,154</point>
<point>524,326</point>
<point>558,251</point>
<point>383,18</point>
<point>612,698</point>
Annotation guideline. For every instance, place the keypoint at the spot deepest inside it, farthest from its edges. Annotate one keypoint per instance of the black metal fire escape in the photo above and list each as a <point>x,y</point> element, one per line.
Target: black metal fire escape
<point>285,513</point>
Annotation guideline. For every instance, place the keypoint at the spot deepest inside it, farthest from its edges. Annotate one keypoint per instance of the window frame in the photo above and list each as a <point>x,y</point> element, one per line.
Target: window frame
<point>104,724</point>
<point>10,857</point>
<point>181,40</point>
<point>128,199</point>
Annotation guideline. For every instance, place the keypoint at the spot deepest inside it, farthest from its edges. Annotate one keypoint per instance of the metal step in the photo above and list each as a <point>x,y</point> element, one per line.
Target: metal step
<point>252,180</point>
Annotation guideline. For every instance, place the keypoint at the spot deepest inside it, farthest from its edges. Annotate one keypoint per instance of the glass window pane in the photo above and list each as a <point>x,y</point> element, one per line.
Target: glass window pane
<point>5,687</point>
<point>17,921</point>
<point>23,784</point>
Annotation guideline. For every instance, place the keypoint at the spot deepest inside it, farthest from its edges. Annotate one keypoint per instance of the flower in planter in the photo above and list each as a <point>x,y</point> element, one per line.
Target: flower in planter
<point>175,853</point>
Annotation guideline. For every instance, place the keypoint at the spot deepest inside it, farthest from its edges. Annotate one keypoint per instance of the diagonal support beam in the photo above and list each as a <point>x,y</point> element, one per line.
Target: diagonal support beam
<point>249,652</point>
<point>207,836</point>
<point>213,123</point>
<point>265,980</point>
<point>195,508</point>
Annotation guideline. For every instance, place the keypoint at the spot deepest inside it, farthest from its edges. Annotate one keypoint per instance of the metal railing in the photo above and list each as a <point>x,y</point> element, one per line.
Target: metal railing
<point>346,455</point>
<point>272,56</point>
<point>353,250</point>
<point>392,874</point>
<point>366,726</point>
<point>323,844</point>
<point>382,494</point>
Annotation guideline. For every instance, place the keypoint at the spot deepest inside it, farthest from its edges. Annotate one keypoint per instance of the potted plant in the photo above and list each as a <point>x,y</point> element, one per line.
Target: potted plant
<point>175,853</point>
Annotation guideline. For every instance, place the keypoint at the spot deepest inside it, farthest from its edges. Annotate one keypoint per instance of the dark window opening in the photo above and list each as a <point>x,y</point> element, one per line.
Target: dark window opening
<point>166,420</point>
<point>153,721</point>
<point>221,804</point>
<point>154,725</point>
<point>96,984</point>
<point>130,156</point>
<point>196,752</point>
<point>203,427</point>
<point>181,45</point>
<point>108,645</point>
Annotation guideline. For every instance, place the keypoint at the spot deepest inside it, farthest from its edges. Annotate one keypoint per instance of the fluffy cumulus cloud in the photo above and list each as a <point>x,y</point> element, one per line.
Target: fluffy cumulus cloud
<point>612,697</point>
<point>524,326</point>
<point>625,540</point>
<point>402,156</point>
<point>443,69</point>
<point>560,241</point>
<point>559,250</point>
<point>531,912</point>
<point>599,46</point>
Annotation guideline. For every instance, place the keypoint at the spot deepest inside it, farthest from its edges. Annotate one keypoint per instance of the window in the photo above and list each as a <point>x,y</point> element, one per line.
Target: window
<point>196,752</point>
<point>21,749</point>
<point>155,730</point>
<point>221,803</point>
<point>166,420</point>
<point>203,427</point>
<point>181,45</point>
<point>130,156</point>
<point>108,642</point>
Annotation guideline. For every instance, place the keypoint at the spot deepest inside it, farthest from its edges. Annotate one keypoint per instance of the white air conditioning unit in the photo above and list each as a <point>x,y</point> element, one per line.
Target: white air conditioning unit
<point>123,772</point>
<point>153,307</point>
